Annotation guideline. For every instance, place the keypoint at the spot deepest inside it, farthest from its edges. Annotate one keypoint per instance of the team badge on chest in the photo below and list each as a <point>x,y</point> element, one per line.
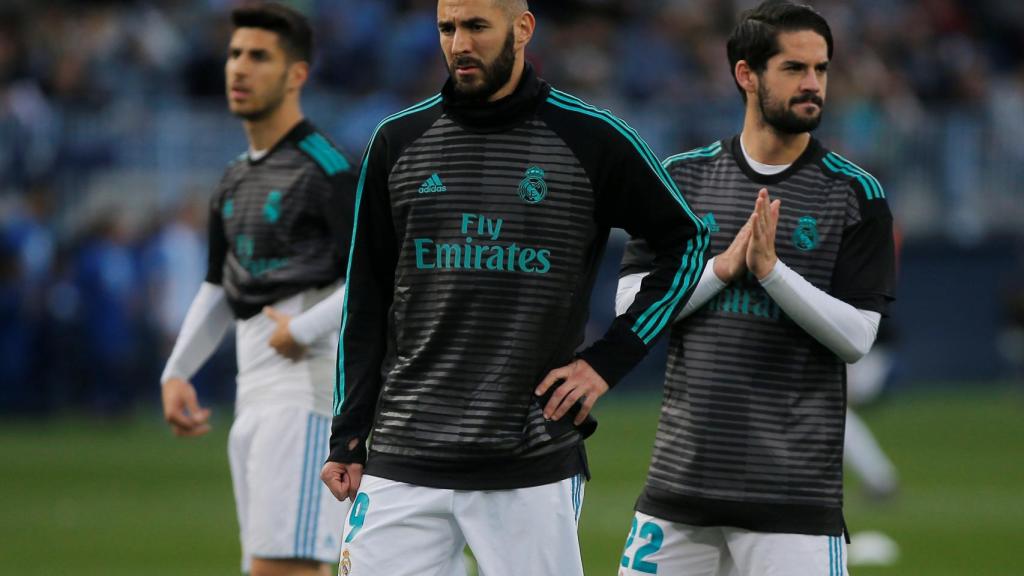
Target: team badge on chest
<point>533,188</point>
<point>345,566</point>
<point>805,237</point>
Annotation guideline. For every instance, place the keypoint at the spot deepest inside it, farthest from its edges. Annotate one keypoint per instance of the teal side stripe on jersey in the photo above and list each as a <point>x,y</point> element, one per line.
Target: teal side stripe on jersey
<point>665,315</point>
<point>705,152</point>
<point>339,375</point>
<point>839,160</point>
<point>651,159</point>
<point>840,165</point>
<point>646,326</point>
<point>645,323</point>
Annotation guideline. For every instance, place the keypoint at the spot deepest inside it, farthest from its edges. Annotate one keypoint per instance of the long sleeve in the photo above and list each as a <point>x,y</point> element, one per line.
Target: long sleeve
<point>635,193</point>
<point>369,292</point>
<point>208,318</point>
<point>320,319</point>
<point>708,287</point>
<point>843,329</point>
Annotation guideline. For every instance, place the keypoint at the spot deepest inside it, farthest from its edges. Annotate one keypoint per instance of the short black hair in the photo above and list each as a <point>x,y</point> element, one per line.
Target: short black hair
<point>291,27</point>
<point>756,37</point>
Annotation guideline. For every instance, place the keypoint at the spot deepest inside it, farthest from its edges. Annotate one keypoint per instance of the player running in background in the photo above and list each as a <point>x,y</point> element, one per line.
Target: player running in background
<point>280,224</point>
<point>746,475</point>
<point>481,217</point>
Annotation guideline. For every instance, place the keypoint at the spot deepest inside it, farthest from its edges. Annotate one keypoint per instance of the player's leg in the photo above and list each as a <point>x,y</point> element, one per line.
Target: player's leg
<point>288,519</point>
<point>239,443</point>
<point>767,554</point>
<point>398,529</point>
<point>867,460</point>
<point>524,531</point>
<point>657,546</point>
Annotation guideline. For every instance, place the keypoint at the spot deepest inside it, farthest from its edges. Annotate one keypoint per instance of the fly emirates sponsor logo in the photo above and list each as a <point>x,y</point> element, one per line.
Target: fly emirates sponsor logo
<point>481,250</point>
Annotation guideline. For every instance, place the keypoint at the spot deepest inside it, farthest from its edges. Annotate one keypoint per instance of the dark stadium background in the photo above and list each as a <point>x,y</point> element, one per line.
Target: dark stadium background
<point>113,131</point>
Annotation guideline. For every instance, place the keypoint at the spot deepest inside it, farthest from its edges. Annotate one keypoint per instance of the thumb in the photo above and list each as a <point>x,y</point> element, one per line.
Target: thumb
<point>198,413</point>
<point>269,312</point>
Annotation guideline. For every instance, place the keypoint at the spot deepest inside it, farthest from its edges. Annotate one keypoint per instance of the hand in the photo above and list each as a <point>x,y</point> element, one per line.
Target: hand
<point>281,340</point>
<point>761,256</point>
<point>581,383</point>
<point>182,410</point>
<point>732,264</point>
<point>342,479</point>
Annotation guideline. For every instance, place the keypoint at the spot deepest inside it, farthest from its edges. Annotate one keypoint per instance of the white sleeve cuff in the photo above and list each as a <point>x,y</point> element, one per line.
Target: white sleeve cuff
<point>843,329</point>
<point>708,286</point>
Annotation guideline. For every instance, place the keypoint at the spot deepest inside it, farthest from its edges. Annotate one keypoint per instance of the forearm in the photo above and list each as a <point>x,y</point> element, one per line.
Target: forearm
<point>208,318</point>
<point>708,286</point>
<point>320,320</point>
<point>843,329</point>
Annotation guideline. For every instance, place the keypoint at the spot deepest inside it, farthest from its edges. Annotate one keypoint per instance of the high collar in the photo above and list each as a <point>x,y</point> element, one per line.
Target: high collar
<point>302,129</point>
<point>810,153</point>
<point>483,116</point>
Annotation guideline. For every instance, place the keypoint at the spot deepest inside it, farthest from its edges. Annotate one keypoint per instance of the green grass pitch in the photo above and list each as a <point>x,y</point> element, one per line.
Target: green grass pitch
<point>100,498</point>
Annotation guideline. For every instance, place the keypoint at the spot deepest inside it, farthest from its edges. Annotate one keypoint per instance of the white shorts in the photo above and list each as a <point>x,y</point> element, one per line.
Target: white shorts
<point>398,529</point>
<point>284,510</point>
<point>657,546</point>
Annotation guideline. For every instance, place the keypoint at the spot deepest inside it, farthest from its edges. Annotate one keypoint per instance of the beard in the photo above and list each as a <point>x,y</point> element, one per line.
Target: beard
<point>492,77</point>
<point>270,105</point>
<point>781,116</point>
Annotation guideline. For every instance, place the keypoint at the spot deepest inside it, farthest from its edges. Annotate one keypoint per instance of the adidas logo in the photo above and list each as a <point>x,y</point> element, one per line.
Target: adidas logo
<point>432,185</point>
<point>709,220</point>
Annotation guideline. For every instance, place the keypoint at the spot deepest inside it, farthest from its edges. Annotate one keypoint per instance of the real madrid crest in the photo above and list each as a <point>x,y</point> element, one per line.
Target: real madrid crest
<point>805,237</point>
<point>533,188</point>
<point>345,566</point>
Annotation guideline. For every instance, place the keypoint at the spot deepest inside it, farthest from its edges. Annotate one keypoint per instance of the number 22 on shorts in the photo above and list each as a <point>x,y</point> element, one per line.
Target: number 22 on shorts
<point>358,515</point>
<point>654,536</point>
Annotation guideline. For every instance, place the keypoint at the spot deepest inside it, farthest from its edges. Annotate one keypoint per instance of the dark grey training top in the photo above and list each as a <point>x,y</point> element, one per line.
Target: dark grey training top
<point>751,428</point>
<point>281,224</point>
<point>479,230</point>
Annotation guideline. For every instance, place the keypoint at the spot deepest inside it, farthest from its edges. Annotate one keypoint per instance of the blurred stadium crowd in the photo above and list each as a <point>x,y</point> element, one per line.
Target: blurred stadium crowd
<point>113,131</point>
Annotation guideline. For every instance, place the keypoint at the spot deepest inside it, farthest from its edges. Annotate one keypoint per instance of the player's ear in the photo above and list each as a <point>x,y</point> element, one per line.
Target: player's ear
<point>745,77</point>
<point>523,27</point>
<point>298,73</point>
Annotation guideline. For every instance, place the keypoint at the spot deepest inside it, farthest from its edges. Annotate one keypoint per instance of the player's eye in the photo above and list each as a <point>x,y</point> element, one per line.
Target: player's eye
<point>446,29</point>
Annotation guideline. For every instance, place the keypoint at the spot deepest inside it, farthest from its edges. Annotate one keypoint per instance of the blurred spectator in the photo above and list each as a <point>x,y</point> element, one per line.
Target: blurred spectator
<point>109,292</point>
<point>123,100</point>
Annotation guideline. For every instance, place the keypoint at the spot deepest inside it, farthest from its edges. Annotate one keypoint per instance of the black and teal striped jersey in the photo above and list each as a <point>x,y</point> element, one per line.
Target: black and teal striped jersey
<point>752,420</point>
<point>479,230</point>
<point>282,223</point>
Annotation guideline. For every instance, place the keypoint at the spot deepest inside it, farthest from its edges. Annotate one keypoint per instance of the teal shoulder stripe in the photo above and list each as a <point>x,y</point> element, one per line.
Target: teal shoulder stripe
<point>627,131</point>
<point>647,325</point>
<point>709,151</point>
<point>869,188</point>
<point>314,144</point>
<point>321,158</point>
<point>879,191</point>
<point>339,375</point>
<point>338,160</point>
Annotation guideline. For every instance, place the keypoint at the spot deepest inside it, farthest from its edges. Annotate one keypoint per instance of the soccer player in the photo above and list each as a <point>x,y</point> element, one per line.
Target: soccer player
<point>280,223</point>
<point>746,475</point>
<point>481,217</point>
